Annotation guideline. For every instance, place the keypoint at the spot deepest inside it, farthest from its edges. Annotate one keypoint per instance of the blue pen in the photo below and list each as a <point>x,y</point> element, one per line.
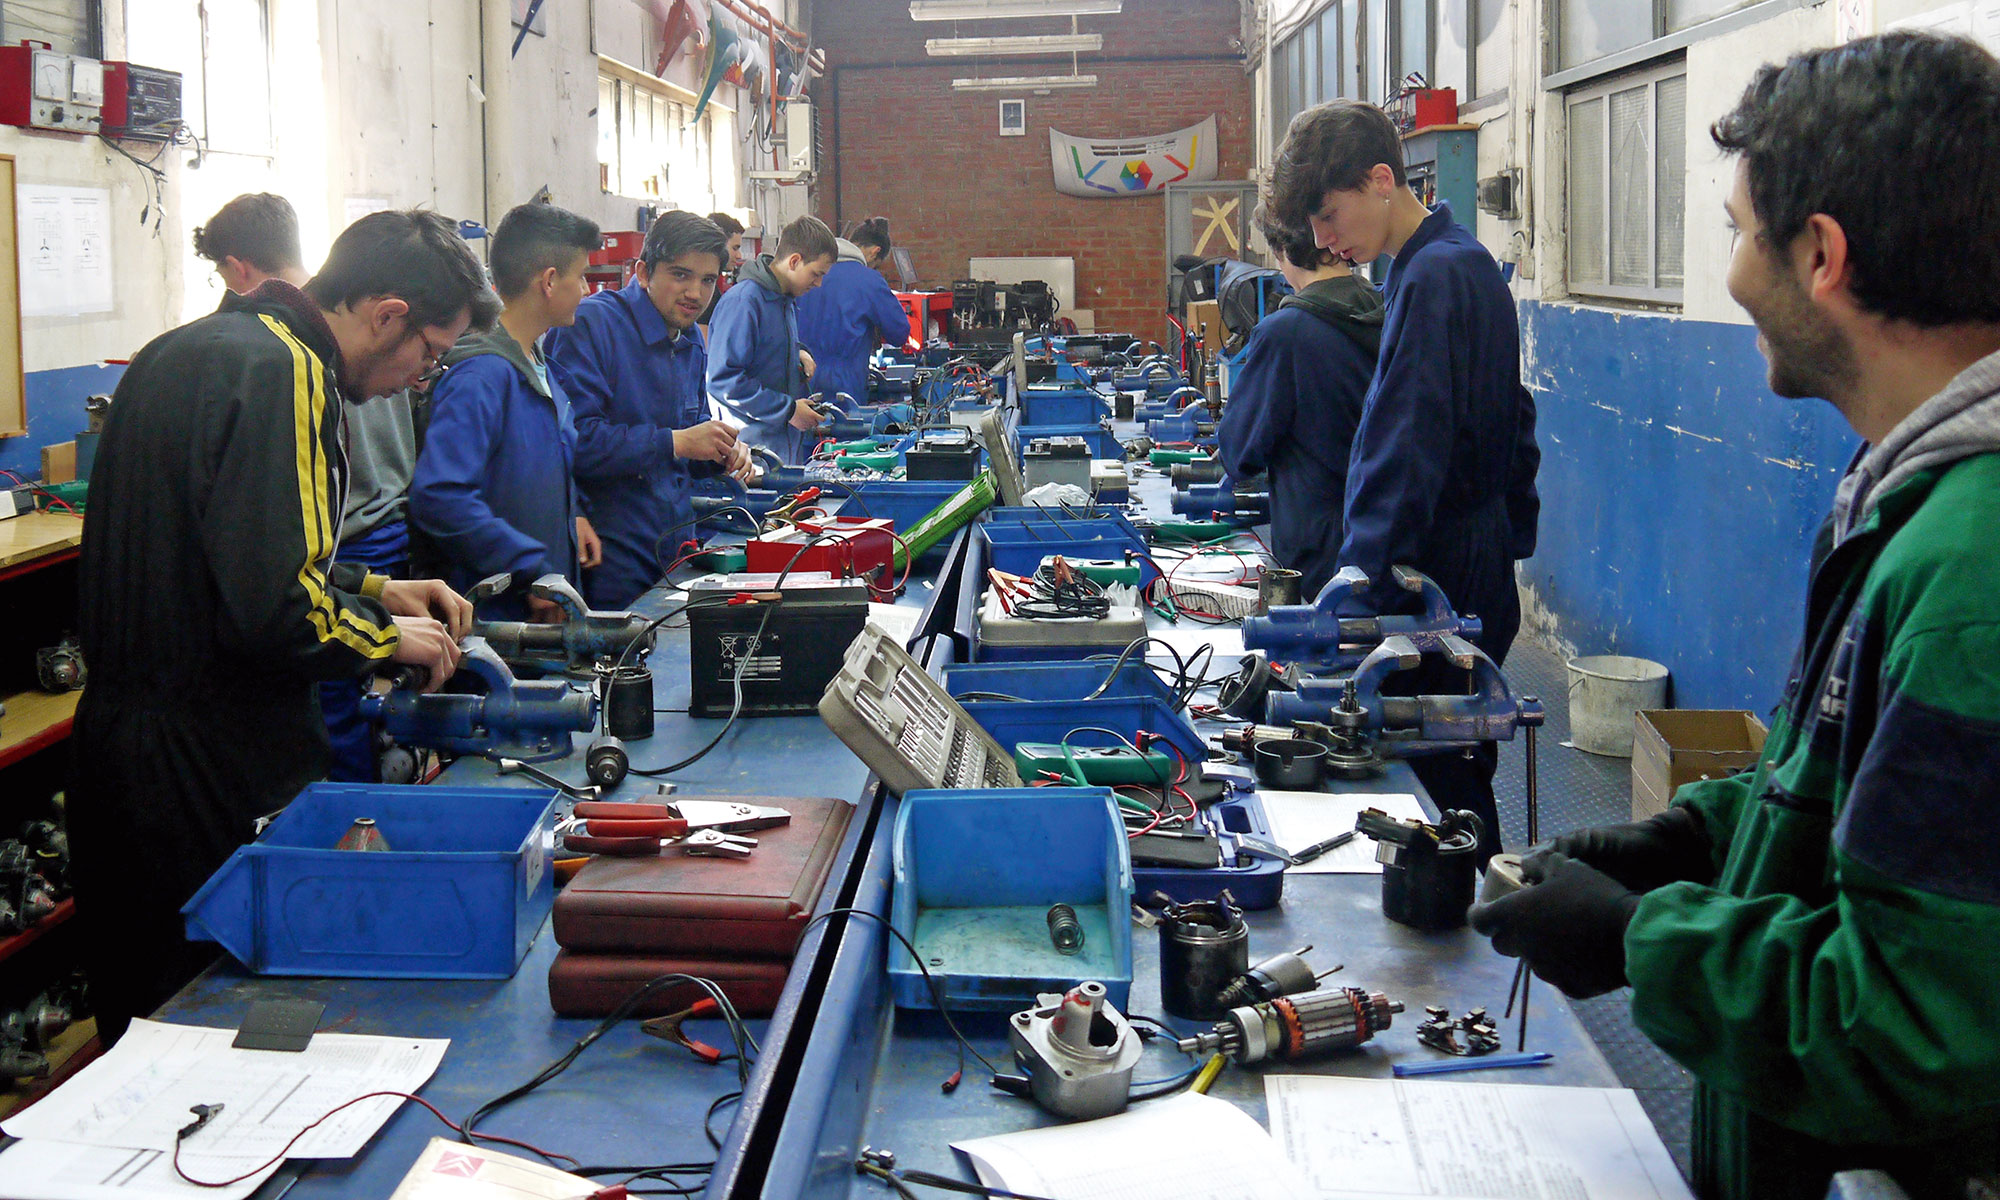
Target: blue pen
<point>1533,1058</point>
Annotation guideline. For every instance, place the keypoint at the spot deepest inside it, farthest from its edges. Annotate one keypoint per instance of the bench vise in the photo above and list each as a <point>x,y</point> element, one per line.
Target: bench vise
<point>1193,424</point>
<point>1360,726</point>
<point>846,421</point>
<point>585,635</point>
<point>1318,638</point>
<point>1247,503</point>
<point>530,720</point>
<point>1166,403</point>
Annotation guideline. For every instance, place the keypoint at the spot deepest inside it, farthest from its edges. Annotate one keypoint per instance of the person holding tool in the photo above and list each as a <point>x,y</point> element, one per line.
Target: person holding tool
<point>1815,938</point>
<point>493,488</point>
<point>1296,399</point>
<point>633,367</point>
<point>853,311</point>
<point>207,605</point>
<point>1442,474</point>
<point>758,370</point>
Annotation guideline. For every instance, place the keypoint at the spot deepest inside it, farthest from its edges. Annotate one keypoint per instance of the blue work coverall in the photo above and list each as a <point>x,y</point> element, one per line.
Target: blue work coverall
<point>753,361</point>
<point>842,321</point>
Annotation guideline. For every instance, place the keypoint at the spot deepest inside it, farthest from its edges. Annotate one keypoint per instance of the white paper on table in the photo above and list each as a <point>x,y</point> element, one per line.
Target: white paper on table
<point>898,621</point>
<point>1188,639</point>
<point>1145,1153</point>
<point>1301,819</point>
<point>447,1170</point>
<point>1358,1139</point>
<point>49,1170</point>
<point>138,1094</point>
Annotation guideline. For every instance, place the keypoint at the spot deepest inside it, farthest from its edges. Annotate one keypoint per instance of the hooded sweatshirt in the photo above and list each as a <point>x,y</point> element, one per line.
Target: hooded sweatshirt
<point>843,319</point>
<point>492,488</point>
<point>753,360</point>
<point>1958,422</point>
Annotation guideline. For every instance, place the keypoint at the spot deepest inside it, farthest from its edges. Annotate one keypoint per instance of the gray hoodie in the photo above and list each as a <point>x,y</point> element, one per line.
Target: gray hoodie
<point>1957,423</point>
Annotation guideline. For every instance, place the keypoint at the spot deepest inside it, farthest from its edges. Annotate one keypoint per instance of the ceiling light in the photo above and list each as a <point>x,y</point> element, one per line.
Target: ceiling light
<point>993,10</point>
<point>1023,83</point>
<point>1047,43</point>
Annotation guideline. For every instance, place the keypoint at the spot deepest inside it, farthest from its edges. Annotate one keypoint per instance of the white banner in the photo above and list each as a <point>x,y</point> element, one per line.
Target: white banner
<point>1101,168</point>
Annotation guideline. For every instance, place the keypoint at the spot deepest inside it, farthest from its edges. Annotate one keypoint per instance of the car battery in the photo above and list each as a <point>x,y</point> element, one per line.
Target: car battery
<point>944,457</point>
<point>1110,482</point>
<point>1056,460</point>
<point>846,547</point>
<point>784,670</point>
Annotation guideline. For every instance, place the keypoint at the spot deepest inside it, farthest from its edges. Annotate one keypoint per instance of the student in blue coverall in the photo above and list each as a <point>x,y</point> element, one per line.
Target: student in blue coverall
<point>492,488</point>
<point>1295,401</point>
<point>756,367</point>
<point>733,230</point>
<point>634,367</point>
<point>843,319</point>
<point>1442,475</point>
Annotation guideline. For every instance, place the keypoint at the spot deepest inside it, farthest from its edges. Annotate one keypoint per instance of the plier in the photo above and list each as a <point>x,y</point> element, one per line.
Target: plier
<point>609,827</point>
<point>670,1028</point>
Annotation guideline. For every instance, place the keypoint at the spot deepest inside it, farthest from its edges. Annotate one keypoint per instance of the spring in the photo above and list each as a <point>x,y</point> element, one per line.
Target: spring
<point>1064,930</point>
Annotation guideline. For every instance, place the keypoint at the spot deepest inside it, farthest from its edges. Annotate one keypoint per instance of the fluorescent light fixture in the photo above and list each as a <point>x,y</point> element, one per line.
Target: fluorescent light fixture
<point>996,47</point>
<point>994,10</point>
<point>1023,83</point>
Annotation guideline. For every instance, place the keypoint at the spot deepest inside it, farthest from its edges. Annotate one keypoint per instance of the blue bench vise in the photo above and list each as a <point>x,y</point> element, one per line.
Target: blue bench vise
<point>1193,424</point>
<point>1166,405</point>
<point>844,421</point>
<point>584,636</point>
<point>1318,638</point>
<point>1244,504</point>
<point>527,719</point>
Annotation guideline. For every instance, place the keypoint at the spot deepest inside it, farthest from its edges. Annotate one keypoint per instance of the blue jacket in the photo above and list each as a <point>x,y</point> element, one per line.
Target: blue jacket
<point>1442,476</point>
<point>492,486</point>
<point>1294,403</point>
<point>633,383</point>
<point>753,361</point>
<point>843,319</point>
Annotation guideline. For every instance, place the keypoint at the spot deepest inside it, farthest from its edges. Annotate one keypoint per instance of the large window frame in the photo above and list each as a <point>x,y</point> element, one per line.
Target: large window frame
<point>1666,40</point>
<point>19,22</point>
<point>649,145</point>
<point>1592,214</point>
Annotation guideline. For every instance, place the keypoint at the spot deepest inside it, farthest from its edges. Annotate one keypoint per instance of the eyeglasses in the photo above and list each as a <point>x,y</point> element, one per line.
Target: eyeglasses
<point>433,357</point>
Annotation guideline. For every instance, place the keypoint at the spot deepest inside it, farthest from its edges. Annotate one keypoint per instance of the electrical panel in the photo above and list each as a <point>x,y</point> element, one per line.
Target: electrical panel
<point>801,157</point>
<point>142,103</point>
<point>44,88</point>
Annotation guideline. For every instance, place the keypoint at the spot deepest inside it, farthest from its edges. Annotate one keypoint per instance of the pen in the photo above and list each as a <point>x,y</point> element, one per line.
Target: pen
<point>1209,1071</point>
<point>1314,851</point>
<point>1533,1058</point>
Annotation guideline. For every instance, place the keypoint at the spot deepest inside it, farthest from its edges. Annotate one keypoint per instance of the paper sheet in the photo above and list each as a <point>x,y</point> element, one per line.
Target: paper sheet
<point>137,1096</point>
<point>46,1170</point>
<point>1189,637</point>
<point>447,1170</point>
<point>898,621</point>
<point>1359,1139</point>
<point>1301,819</point>
<point>1144,1153</point>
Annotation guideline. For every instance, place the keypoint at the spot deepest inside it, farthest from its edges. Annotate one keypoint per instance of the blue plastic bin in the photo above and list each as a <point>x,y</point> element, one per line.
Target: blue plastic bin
<point>975,874</point>
<point>1019,548</point>
<point>459,894</point>
<point>1045,519</point>
<point>1012,722</point>
<point>904,501</point>
<point>1067,680</point>
<point>1062,406</point>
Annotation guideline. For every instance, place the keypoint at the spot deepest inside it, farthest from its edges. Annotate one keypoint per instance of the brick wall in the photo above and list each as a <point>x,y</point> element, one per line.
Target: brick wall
<point>903,144</point>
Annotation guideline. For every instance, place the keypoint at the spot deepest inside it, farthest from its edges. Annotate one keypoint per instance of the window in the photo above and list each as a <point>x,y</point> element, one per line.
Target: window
<point>1413,41</point>
<point>1492,46</point>
<point>1449,64</point>
<point>1627,185</point>
<point>651,147</point>
<point>1588,30</point>
<point>71,26</point>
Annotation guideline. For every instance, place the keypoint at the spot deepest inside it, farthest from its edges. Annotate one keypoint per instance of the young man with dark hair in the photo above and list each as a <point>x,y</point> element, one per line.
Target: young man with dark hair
<point>1295,400</point>
<point>207,606</point>
<point>635,370</point>
<point>757,368</point>
<point>1442,474</point>
<point>733,230</point>
<point>852,312</point>
<point>493,488</point>
<point>250,239</point>
<point>1816,938</point>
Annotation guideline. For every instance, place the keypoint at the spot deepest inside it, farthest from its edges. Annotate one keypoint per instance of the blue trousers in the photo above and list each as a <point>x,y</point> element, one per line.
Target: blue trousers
<point>384,550</point>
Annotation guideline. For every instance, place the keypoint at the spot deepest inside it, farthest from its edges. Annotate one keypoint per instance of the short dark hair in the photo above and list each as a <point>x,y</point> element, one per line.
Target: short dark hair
<point>675,233</point>
<point>1841,131</point>
<point>1331,147</point>
<point>807,237</point>
<point>413,255</point>
<point>729,225</point>
<point>872,232</point>
<point>1294,244</point>
<point>534,237</point>
<point>257,227</point>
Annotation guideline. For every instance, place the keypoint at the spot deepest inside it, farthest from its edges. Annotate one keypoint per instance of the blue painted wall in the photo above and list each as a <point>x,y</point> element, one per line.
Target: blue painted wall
<point>1679,497</point>
<point>55,413</point>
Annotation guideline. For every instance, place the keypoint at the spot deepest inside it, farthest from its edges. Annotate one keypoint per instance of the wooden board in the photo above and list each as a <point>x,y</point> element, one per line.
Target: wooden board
<point>32,716</point>
<point>13,387</point>
<point>59,462</point>
<point>37,535</point>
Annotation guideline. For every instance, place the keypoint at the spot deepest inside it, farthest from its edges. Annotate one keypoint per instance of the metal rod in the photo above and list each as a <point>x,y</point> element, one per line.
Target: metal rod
<point>1534,792</point>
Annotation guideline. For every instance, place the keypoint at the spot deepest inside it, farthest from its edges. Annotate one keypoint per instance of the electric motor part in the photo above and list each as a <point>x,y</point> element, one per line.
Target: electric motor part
<point>1065,933</point>
<point>1503,878</point>
<point>25,895</point>
<point>1277,585</point>
<point>1286,974</point>
<point>628,700</point>
<point>25,1036</point>
<point>1204,947</point>
<point>606,761</point>
<point>1078,1052</point>
<point>1294,1028</point>
<point>1468,1036</point>
<point>59,668</point>
<point>48,849</point>
<point>1429,872</point>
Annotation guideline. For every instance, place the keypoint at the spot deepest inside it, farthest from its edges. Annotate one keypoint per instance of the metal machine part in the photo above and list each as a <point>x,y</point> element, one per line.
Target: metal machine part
<point>364,834</point>
<point>1204,947</point>
<point>584,636</point>
<point>1276,586</point>
<point>59,668</point>
<point>1078,1051</point>
<point>1322,641</point>
<point>626,693</point>
<point>25,895</point>
<point>1243,504</point>
<point>531,720</point>
<point>26,1035</point>
<point>1468,1036</point>
<point>1065,933</point>
<point>1428,871</point>
<point>1503,878</point>
<point>509,766</point>
<point>1297,1027</point>
<point>1286,974</point>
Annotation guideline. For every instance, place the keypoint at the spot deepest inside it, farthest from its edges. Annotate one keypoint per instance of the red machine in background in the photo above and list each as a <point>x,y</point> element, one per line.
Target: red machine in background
<point>929,313</point>
<point>611,266</point>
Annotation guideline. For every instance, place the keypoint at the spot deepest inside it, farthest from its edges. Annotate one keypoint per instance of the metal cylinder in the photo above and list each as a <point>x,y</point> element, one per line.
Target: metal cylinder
<point>628,702</point>
<point>1278,585</point>
<point>1204,947</point>
<point>1206,470</point>
<point>1431,883</point>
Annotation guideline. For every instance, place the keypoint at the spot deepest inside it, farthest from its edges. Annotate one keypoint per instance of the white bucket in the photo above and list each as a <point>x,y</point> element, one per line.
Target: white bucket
<point>1604,691</point>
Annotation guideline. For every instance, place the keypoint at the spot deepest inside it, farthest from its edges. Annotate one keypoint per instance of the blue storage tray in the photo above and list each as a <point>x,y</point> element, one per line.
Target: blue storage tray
<point>1100,440</point>
<point>1255,883</point>
<point>1019,548</point>
<point>1062,406</point>
<point>1012,722</point>
<point>1065,680</point>
<point>904,501</point>
<point>975,874</point>
<point>463,888</point>
<point>1043,518</point>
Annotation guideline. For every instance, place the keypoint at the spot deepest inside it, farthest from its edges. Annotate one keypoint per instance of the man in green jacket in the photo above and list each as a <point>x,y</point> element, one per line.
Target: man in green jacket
<point>1818,939</point>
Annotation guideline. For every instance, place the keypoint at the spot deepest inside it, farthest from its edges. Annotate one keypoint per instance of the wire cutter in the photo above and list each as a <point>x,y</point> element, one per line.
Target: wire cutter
<point>729,816</point>
<point>713,843</point>
<point>670,1027</point>
<point>608,827</point>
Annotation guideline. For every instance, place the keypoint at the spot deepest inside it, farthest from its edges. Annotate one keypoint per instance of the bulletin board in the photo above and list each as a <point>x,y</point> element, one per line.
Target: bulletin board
<point>13,394</point>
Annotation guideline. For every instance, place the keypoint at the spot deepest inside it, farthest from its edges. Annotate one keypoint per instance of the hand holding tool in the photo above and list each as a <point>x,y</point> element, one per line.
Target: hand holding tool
<point>1569,927</point>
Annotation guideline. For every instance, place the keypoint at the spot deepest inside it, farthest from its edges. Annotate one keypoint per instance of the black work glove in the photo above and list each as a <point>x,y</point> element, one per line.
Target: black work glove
<point>1569,923</point>
<point>1642,855</point>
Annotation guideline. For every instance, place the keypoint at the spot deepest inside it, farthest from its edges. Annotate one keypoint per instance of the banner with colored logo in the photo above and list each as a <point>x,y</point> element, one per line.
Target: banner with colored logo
<point>1105,168</point>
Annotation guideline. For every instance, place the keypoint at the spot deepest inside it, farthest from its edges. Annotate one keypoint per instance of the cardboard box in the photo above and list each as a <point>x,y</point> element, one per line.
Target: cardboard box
<point>1209,313</point>
<point>1672,747</point>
